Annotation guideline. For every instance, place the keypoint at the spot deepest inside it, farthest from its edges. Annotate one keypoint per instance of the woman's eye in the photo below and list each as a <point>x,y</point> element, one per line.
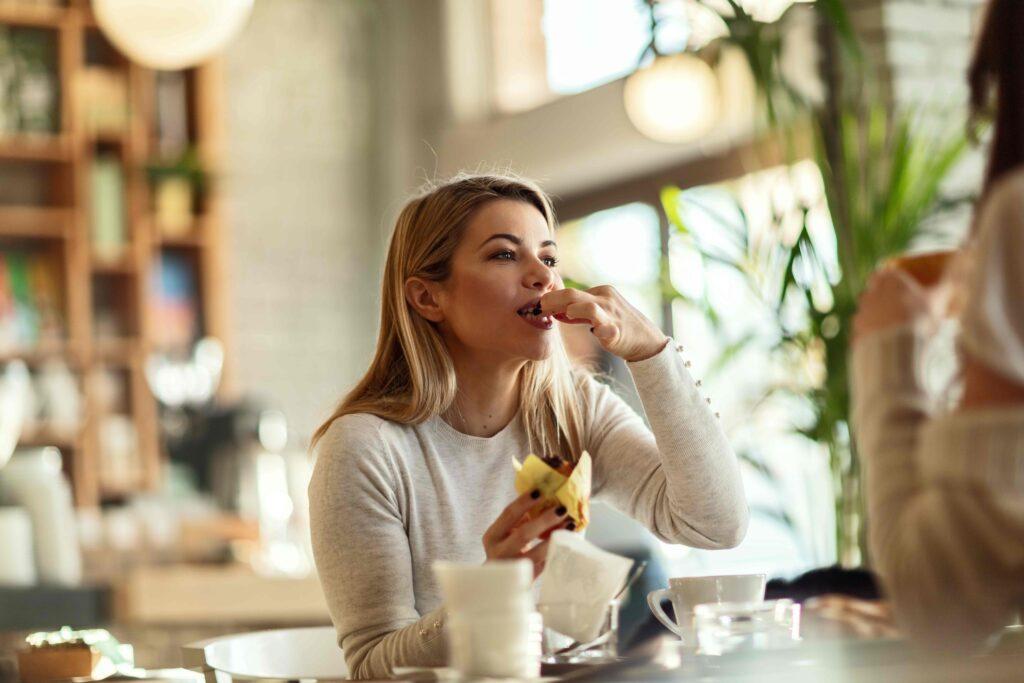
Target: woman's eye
<point>551,261</point>
<point>505,255</point>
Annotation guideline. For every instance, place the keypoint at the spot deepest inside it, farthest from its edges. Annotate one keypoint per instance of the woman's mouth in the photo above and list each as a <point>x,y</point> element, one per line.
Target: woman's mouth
<point>532,315</point>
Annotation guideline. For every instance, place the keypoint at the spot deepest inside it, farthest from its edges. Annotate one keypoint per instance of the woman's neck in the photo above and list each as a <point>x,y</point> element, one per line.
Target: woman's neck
<point>487,399</point>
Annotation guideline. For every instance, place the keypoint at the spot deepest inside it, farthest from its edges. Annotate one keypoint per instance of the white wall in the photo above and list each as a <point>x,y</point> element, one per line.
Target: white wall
<point>299,175</point>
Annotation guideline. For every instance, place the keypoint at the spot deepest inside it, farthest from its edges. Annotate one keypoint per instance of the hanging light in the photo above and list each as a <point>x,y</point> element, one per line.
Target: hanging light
<point>171,34</point>
<point>674,99</point>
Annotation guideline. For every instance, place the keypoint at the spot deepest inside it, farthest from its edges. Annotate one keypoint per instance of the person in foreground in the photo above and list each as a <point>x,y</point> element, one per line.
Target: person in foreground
<point>946,490</point>
<point>414,465</point>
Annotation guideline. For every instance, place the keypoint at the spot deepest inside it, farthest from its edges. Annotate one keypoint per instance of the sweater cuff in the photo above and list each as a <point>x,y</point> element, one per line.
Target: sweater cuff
<point>666,374</point>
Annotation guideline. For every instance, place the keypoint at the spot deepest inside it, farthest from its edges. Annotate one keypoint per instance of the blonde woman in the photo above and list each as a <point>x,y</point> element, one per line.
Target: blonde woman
<point>414,465</point>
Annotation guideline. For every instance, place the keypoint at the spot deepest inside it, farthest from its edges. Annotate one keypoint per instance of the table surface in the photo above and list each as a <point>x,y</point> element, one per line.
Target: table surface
<point>845,660</point>
<point>835,661</point>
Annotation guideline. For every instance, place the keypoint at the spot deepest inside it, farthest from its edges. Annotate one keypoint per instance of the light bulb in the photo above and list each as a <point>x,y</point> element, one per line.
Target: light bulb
<point>675,99</point>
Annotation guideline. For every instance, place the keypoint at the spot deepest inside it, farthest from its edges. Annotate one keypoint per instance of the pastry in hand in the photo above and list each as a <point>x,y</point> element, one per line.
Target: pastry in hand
<point>560,482</point>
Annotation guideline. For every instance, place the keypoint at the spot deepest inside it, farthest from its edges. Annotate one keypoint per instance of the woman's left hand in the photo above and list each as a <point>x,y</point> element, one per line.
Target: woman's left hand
<point>891,299</point>
<point>618,326</point>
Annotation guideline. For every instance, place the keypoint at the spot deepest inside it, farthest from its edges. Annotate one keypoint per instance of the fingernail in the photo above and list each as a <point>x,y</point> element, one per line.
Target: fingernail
<point>560,510</point>
<point>535,494</point>
<point>571,526</point>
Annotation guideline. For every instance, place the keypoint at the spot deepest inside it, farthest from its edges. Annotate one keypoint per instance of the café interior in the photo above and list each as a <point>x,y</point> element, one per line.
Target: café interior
<point>198,207</point>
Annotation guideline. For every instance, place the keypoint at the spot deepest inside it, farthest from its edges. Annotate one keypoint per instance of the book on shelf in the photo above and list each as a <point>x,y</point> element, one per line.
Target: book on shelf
<point>171,113</point>
<point>177,301</point>
<point>31,301</point>
<point>108,227</point>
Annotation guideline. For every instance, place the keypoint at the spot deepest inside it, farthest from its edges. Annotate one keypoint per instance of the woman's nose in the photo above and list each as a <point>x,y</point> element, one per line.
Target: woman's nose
<point>540,276</point>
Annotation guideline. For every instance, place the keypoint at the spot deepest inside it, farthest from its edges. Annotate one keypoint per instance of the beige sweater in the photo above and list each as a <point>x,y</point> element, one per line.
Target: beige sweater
<point>387,500</point>
<point>946,491</point>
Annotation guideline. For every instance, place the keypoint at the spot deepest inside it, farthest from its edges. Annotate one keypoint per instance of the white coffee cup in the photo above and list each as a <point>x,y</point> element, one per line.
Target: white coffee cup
<point>686,592</point>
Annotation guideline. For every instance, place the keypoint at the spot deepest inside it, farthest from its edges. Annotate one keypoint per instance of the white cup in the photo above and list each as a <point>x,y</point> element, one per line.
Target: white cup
<point>686,592</point>
<point>17,561</point>
<point>501,585</point>
<point>492,627</point>
<point>494,645</point>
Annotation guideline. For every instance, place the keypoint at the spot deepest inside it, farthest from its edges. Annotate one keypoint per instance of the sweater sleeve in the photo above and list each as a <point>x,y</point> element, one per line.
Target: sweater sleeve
<point>682,481</point>
<point>362,554</point>
<point>946,520</point>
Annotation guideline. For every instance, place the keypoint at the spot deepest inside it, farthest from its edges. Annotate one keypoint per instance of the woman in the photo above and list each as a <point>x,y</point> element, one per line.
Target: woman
<point>415,463</point>
<point>946,491</point>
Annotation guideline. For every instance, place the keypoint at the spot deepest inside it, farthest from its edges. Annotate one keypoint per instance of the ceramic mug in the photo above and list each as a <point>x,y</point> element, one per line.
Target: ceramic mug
<point>686,592</point>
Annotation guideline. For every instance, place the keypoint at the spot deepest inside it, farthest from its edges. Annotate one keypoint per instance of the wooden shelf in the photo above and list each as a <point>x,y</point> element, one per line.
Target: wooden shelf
<point>38,16</point>
<point>97,296</point>
<point>192,240</point>
<point>116,351</point>
<point>109,138</point>
<point>36,355</point>
<point>42,437</point>
<point>34,222</point>
<point>122,266</point>
<point>37,147</point>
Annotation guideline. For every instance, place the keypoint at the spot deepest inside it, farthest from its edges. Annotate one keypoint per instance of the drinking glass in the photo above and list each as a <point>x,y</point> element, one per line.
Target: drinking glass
<point>563,649</point>
<point>747,626</point>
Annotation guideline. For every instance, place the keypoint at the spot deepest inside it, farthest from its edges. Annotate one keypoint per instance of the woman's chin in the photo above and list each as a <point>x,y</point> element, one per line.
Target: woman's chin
<point>539,350</point>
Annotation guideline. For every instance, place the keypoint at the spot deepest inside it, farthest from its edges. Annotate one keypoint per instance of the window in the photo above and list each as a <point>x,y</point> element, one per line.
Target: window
<point>620,247</point>
<point>543,49</point>
<point>786,477</point>
<point>591,42</point>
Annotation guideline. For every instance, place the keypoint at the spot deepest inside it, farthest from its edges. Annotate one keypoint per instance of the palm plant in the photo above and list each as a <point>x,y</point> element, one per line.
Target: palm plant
<point>882,180</point>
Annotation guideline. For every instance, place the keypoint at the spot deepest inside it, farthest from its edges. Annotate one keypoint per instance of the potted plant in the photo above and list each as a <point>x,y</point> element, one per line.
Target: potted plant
<point>178,184</point>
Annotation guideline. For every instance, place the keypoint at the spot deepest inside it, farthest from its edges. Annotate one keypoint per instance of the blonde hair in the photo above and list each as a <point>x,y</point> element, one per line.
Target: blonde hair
<point>411,377</point>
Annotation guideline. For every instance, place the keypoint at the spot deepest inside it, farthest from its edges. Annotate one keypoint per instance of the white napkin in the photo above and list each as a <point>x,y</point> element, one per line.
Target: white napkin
<point>578,582</point>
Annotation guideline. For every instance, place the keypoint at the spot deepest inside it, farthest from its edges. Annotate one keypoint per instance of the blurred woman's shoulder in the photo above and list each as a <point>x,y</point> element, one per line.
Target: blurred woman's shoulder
<point>1003,205</point>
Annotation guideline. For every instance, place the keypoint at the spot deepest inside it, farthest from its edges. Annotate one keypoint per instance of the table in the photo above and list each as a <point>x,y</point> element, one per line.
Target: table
<point>838,661</point>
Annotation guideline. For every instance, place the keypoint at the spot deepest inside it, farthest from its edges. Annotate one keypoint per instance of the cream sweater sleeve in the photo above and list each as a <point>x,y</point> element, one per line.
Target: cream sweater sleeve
<point>362,554</point>
<point>946,492</point>
<point>680,478</point>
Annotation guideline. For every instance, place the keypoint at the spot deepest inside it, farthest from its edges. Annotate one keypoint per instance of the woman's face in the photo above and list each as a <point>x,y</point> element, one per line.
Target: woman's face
<point>503,264</point>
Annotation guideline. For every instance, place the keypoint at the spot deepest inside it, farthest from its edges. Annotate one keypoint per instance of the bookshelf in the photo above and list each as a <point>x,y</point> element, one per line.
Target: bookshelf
<point>109,242</point>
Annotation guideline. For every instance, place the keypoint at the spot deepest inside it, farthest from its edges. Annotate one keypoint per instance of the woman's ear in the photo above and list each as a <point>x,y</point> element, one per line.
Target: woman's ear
<point>422,296</point>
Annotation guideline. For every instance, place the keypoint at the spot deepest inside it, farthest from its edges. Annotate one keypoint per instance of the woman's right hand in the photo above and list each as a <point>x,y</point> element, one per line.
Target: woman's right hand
<point>511,534</point>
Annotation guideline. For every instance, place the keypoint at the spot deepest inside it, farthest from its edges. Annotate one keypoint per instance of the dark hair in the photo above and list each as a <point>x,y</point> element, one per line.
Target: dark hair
<point>996,81</point>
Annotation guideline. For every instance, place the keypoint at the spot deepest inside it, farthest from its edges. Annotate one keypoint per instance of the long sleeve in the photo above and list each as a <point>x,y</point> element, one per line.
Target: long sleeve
<point>362,555</point>
<point>681,478</point>
<point>946,492</point>
<point>945,499</point>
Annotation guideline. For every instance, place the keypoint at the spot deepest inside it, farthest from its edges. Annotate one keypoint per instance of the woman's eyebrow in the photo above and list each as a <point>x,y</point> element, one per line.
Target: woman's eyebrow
<point>515,240</point>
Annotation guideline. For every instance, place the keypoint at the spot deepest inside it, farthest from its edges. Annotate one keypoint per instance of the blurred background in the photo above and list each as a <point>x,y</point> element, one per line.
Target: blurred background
<point>195,207</point>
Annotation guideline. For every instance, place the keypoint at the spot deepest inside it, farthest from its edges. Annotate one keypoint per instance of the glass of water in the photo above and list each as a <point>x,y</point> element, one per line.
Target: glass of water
<point>746,626</point>
<point>562,649</point>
